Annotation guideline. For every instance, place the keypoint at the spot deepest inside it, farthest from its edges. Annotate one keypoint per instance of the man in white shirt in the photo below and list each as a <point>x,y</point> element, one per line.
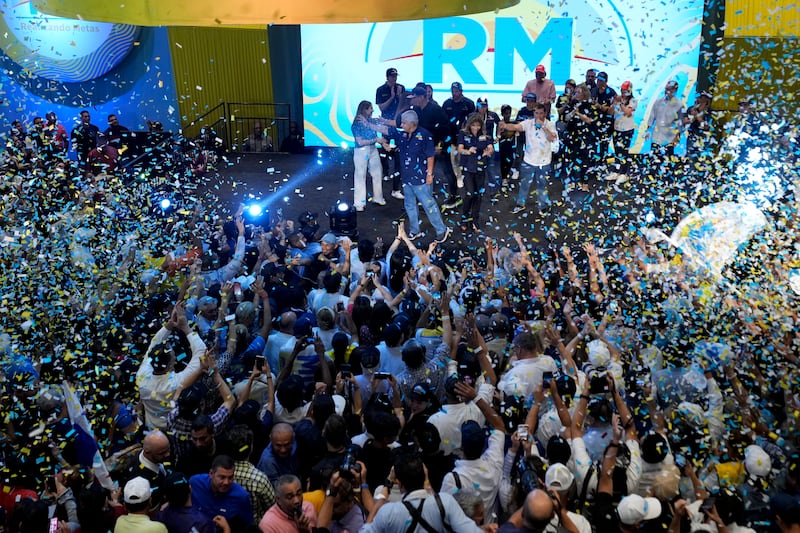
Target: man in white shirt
<point>540,136</point>
<point>526,372</point>
<point>482,466</point>
<point>156,379</point>
<point>456,411</point>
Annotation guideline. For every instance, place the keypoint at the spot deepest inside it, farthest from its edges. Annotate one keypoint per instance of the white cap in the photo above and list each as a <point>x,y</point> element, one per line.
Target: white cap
<point>558,477</point>
<point>757,461</point>
<point>634,509</point>
<point>598,353</point>
<point>137,490</point>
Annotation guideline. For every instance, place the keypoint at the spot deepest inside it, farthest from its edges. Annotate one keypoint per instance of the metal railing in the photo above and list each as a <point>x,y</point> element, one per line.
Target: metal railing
<point>235,125</point>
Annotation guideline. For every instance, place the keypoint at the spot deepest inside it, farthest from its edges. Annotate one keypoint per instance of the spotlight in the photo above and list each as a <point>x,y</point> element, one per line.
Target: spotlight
<point>344,220</point>
<point>255,213</point>
<point>165,201</point>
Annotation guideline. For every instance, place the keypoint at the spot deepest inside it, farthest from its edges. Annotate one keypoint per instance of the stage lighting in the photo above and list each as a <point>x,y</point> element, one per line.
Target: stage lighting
<point>165,201</point>
<point>255,213</point>
<point>344,220</point>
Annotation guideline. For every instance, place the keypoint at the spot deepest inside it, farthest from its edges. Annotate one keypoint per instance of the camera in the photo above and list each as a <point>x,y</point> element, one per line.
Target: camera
<point>350,462</point>
<point>346,372</point>
<point>546,378</point>
<point>598,382</point>
<point>382,375</point>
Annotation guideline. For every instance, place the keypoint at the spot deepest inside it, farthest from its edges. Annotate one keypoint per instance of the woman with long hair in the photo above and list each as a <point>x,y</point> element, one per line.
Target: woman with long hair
<point>365,157</point>
<point>476,149</point>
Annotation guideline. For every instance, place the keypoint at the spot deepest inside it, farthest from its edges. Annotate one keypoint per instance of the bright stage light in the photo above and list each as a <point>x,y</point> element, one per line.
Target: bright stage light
<point>344,220</point>
<point>255,213</point>
<point>165,203</point>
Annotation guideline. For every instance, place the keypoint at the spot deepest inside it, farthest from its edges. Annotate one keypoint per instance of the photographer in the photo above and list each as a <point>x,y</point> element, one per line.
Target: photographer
<point>342,511</point>
<point>415,512</point>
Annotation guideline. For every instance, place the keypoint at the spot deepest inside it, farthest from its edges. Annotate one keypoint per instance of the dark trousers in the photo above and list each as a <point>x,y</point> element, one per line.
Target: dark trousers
<point>506,159</point>
<point>446,168</point>
<point>474,187</point>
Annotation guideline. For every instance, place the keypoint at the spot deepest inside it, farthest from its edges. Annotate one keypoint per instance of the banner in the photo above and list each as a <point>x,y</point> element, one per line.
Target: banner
<point>494,54</point>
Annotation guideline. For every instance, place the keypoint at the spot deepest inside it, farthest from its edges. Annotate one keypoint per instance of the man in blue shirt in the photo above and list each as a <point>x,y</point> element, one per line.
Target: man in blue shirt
<point>216,493</point>
<point>417,153</point>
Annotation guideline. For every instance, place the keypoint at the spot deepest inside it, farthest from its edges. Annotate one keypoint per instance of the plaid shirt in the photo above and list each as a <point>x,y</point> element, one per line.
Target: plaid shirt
<point>180,429</point>
<point>434,371</point>
<point>262,497</point>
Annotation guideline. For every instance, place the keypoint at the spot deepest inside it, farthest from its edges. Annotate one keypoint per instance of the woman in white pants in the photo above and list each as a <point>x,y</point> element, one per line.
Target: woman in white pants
<point>365,156</point>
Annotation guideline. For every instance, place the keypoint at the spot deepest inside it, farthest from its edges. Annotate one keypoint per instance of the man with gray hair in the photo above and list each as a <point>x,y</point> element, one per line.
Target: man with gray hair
<point>417,156</point>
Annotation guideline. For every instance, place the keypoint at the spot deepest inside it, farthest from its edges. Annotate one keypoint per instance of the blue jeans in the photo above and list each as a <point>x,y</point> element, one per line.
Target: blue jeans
<point>423,194</point>
<point>529,173</point>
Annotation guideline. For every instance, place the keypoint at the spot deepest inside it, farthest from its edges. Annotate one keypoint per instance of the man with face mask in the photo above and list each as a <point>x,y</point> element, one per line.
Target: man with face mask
<point>665,123</point>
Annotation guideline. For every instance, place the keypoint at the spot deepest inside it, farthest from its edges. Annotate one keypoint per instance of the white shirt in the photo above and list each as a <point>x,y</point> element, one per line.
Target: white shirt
<point>525,375</point>
<point>481,474</point>
<point>449,420</point>
<point>391,359</point>
<point>538,150</point>
<point>157,391</point>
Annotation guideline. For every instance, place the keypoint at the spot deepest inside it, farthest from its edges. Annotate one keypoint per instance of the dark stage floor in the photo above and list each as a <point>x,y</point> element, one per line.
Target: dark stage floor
<point>297,183</point>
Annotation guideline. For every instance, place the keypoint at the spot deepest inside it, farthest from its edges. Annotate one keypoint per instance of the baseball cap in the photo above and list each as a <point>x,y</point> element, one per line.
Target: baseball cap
<point>418,91</point>
<point>328,238</point>
<point>672,84</point>
<point>207,302</point>
<point>602,76</point>
<point>540,68</point>
<point>473,440</point>
<point>626,85</point>
<point>391,72</point>
<point>757,461</point>
<point>456,85</point>
<point>420,392</point>
<point>303,327</point>
<point>633,509</point>
<point>137,490</point>
<point>530,96</point>
<point>558,477</point>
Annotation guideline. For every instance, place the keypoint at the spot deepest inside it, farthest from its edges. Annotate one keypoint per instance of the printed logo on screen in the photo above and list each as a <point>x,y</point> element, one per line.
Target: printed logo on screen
<point>62,49</point>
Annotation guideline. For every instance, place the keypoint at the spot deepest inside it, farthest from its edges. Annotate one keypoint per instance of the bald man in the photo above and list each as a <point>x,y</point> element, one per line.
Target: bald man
<point>155,452</point>
<point>280,457</point>
<point>533,517</point>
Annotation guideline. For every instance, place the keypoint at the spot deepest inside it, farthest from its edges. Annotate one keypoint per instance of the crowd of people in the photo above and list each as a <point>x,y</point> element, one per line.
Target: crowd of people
<point>184,370</point>
<point>580,139</point>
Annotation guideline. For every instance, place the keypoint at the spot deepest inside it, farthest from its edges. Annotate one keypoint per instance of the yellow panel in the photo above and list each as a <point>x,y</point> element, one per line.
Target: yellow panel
<point>762,18</point>
<point>216,12</point>
<point>214,65</point>
<point>761,69</point>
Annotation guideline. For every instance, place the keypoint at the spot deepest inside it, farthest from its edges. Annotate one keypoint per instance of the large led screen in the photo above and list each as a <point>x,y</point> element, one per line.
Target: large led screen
<point>645,41</point>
